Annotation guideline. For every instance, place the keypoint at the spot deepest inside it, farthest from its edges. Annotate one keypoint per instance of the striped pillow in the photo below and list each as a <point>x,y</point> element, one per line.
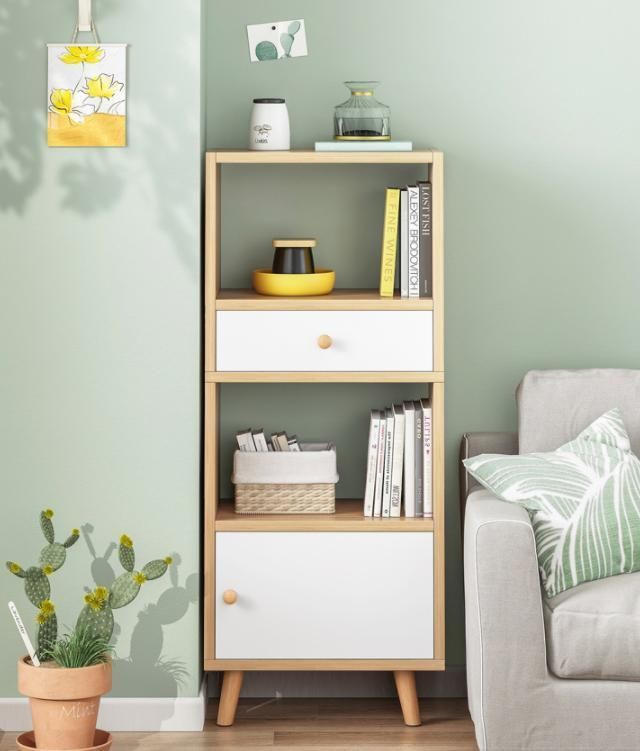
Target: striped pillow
<point>583,500</point>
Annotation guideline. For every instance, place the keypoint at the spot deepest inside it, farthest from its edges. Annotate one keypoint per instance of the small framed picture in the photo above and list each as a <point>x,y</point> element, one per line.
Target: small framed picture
<point>277,40</point>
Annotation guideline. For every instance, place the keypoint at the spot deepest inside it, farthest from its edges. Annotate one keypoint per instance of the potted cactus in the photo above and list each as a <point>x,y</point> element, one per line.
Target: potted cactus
<point>75,671</point>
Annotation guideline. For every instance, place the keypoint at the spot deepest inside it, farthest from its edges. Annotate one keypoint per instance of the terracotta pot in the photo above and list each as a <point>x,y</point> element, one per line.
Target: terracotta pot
<point>64,702</point>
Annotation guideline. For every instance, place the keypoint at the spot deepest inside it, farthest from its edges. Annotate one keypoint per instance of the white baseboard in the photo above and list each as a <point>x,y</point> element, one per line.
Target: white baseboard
<point>123,714</point>
<point>328,685</point>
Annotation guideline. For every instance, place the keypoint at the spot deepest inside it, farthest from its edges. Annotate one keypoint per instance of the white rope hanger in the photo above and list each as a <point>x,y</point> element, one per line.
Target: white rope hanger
<point>85,21</point>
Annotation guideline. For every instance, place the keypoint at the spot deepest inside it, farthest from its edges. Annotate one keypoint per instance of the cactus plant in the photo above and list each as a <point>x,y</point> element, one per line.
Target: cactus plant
<point>36,578</point>
<point>96,617</point>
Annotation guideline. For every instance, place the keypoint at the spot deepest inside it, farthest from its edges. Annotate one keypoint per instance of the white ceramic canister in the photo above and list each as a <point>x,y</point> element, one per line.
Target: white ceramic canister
<point>269,126</point>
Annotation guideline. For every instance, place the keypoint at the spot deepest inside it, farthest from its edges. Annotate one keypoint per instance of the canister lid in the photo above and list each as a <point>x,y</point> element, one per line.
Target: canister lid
<point>309,242</point>
<point>268,101</point>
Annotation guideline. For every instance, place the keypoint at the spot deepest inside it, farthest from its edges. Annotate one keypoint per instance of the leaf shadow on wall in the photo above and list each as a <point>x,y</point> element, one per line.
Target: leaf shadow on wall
<point>21,107</point>
<point>146,667</point>
<point>163,146</point>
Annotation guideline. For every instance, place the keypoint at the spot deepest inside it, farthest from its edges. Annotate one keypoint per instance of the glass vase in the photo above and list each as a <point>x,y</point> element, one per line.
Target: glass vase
<point>362,117</point>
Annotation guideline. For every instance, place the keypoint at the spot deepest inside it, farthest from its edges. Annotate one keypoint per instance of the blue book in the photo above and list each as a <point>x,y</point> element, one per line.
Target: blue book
<point>364,146</point>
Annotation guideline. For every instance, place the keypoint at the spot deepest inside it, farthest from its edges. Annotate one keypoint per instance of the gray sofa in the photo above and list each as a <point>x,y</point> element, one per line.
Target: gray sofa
<point>560,674</point>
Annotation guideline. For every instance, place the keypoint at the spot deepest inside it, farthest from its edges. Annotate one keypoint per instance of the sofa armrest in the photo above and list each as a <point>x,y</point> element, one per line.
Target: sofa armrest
<point>473,444</point>
<point>506,654</point>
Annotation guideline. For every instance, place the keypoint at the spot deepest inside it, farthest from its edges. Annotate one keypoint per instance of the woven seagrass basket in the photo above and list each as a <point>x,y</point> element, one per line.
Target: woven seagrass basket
<point>286,482</point>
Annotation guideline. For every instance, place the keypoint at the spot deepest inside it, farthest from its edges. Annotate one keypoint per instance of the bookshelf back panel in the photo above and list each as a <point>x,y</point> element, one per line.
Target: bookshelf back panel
<point>319,411</point>
<point>341,206</point>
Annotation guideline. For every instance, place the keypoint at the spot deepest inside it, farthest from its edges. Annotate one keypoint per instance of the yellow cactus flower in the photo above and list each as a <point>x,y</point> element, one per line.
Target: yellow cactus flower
<point>75,55</point>
<point>168,560</point>
<point>139,578</point>
<point>14,568</point>
<point>48,569</point>
<point>75,532</point>
<point>63,99</point>
<point>126,541</point>
<point>102,87</point>
<point>101,593</point>
<point>47,609</point>
<point>88,599</point>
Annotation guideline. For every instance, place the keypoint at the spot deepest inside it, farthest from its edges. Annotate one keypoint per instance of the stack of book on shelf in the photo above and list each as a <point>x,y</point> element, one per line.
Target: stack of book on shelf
<point>256,440</point>
<point>399,461</point>
<point>407,225</point>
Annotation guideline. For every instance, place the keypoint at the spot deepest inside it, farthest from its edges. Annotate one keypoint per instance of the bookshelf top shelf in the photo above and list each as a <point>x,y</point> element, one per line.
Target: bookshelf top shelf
<point>348,518</point>
<point>322,157</point>
<point>339,299</point>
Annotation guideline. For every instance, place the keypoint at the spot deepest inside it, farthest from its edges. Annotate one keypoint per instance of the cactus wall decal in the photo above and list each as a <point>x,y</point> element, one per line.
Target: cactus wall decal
<point>97,614</point>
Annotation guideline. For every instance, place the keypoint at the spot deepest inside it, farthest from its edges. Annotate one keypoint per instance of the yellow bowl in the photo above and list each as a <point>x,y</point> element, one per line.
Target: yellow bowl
<point>293,285</point>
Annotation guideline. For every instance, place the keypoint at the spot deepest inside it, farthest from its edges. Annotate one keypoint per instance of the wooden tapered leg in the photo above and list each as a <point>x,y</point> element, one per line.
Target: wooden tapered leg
<point>406,685</point>
<point>231,685</point>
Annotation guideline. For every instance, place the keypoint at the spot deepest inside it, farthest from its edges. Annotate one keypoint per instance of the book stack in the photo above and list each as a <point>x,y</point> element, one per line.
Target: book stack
<point>256,440</point>
<point>407,226</point>
<point>399,461</point>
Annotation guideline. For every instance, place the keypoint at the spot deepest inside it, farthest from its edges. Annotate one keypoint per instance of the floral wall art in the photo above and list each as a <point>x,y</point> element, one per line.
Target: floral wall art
<point>87,95</point>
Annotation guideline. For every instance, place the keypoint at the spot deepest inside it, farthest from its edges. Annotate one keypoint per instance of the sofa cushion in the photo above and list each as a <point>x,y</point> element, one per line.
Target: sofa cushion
<point>593,631</point>
<point>555,405</point>
<point>583,500</point>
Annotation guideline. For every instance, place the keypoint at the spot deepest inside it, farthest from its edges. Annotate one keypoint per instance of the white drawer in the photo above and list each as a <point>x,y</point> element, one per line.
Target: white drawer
<point>324,595</point>
<point>288,340</point>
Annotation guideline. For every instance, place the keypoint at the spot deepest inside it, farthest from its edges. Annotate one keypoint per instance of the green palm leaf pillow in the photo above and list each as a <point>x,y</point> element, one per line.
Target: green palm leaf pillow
<point>583,500</point>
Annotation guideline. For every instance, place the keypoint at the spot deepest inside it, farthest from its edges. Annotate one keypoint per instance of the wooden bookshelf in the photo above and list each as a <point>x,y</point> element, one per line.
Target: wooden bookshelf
<point>339,299</point>
<point>348,518</point>
<point>234,560</point>
<point>324,157</point>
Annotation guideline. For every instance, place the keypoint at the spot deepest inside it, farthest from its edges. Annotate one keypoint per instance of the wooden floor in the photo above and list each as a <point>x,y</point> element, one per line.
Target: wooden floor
<point>315,725</point>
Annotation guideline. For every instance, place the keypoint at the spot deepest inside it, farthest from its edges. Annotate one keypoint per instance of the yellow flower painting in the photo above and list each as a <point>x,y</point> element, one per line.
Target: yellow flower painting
<point>87,95</point>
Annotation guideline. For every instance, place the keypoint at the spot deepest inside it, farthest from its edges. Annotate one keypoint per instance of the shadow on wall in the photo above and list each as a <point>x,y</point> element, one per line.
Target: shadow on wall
<point>157,167</point>
<point>21,110</point>
<point>145,664</point>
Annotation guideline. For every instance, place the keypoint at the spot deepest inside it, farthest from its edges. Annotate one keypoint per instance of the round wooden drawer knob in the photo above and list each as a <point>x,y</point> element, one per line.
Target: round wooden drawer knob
<point>324,341</point>
<point>230,596</point>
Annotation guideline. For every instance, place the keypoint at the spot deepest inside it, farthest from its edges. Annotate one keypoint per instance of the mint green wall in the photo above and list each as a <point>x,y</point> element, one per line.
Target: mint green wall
<point>100,333</point>
<point>534,105</point>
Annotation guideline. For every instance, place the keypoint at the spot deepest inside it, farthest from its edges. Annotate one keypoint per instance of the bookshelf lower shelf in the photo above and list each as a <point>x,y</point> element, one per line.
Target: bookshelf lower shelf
<point>348,518</point>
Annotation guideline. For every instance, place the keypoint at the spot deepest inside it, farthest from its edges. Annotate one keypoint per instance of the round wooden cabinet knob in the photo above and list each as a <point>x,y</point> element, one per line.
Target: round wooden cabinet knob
<point>230,596</point>
<point>324,341</point>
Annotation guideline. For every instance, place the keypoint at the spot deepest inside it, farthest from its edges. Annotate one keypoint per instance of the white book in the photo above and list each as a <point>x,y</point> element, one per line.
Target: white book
<point>245,440</point>
<point>398,459</point>
<point>388,460</point>
<point>274,442</point>
<point>293,444</point>
<point>372,462</point>
<point>259,440</point>
<point>427,456</point>
<point>283,441</point>
<point>419,485</point>
<point>409,459</point>
<point>404,245</point>
<point>382,443</point>
<point>413,221</point>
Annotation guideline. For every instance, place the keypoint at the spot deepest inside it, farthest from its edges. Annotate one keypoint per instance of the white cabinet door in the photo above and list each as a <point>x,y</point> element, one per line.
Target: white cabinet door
<point>362,340</point>
<point>324,595</point>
